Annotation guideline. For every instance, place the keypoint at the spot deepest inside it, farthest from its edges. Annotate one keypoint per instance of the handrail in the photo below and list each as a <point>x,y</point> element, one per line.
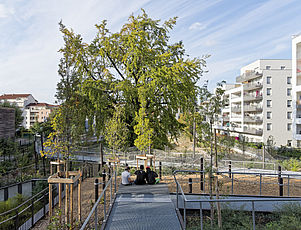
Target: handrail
<point>201,201</point>
<point>94,208</point>
<point>14,209</point>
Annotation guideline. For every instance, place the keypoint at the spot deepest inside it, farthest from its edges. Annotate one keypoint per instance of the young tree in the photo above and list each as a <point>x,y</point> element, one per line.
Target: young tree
<point>140,69</point>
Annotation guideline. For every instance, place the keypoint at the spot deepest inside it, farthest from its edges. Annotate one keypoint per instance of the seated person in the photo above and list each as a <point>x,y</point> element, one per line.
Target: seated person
<point>141,176</point>
<point>126,176</point>
<point>151,176</point>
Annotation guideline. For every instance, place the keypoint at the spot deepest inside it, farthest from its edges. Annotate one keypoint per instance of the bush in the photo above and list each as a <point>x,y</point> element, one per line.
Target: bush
<point>292,164</point>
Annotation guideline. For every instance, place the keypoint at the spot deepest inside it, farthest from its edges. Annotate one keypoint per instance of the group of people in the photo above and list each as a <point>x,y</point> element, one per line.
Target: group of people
<point>142,177</point>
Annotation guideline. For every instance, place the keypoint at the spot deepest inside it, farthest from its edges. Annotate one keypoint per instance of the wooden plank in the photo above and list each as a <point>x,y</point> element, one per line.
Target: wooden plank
<point>66,204</point>
<point>50,200</point>
<point>60,180</point>
<point>79,199</point>
<point>71,205</point>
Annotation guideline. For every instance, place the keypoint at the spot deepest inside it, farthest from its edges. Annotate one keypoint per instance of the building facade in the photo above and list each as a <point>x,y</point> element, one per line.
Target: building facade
<point>259,104</point>
<point>37,112</point>
<point>20,100</point>
<point>7,122</point>
<point>296,81</point>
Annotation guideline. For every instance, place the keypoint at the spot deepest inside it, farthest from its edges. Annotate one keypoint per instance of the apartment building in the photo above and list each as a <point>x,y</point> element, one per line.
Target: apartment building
<point>37,112</point>
<point>260,104</point>
<point>296,81</point>
<point>20,100</point>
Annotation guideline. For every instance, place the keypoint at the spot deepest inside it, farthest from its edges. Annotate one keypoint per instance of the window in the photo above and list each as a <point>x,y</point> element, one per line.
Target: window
<point>289,143</point>
<point>269,91</point>
<point>282,67</point>
<point>289,80</point>
<point>289,115</point>
<point>289,126</point>
<point>289,92</point>
<point>269,103</point>
<point>269,79</point>
<point>269,115</point>
<point>268,67</point>
<point>289,103</point>
<point>269,126</point>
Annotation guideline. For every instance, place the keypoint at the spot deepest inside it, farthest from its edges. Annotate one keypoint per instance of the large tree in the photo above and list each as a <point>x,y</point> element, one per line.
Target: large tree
<point>139,69</point>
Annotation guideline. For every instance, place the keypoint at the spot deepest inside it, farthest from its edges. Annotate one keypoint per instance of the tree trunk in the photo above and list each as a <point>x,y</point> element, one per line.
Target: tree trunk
<point>211,177</point>
<point>219,211</point>
<point>215,149</point>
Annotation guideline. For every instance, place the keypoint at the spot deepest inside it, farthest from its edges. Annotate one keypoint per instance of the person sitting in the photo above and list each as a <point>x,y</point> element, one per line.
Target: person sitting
<point>126,176</point>
<point>151,176</point>
<point>141,176</point>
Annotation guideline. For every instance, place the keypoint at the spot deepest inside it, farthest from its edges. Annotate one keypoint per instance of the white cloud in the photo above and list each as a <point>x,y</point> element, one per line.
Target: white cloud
<point>197,26</point>
<point>5,12</point>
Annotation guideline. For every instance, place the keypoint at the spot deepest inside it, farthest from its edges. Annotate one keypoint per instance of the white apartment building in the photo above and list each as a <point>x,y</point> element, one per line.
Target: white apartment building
<point>37,112</point>
<point>20,100</point>
<point>260,104</point>
<point>296,81</point>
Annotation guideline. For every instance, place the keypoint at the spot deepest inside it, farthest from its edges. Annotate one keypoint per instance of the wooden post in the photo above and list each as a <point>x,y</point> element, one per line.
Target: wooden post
<point>71,205</point>
<point>79,199</point>
<point>60,195</point>
<point>66,204</point>
<point>219,212</point>
<point>50,200</point>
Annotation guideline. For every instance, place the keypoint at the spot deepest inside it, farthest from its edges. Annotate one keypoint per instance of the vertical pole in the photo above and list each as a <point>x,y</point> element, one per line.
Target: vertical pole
<point>115,174</point>
<point>184,213</point>
<point>194,134</point>
<point>160,170</point>
<point>50,200</point>
<point>201,215</point>
<point>253,215</point>
<point>232,182</point>
<point>104,207</point>
<point>101,153</point>
<point>79,199</point>
<point>177,195</point>
<point>280,186</point>
<point>202,174</point>
<point>263,157</point>
<point>215,149</point>
<point>190,185</point>
<point>32,211</point>
<point>60,195</point>
<point>260,182</point>
<point>230,168</point>
<point>96,189</point>
<point>67,204</point>
<point>71,205</point>
<point>288,185</point>
<point>104,179</point>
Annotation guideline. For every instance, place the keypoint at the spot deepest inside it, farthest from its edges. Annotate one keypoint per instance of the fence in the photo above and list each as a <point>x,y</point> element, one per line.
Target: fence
<point>101,203</point>
<point>252,201</point>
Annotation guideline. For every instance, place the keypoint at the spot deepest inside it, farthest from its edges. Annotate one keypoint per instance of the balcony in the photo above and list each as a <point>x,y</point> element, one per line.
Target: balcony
<point>226,118</point>
<point>252,86</point>
<point>251,97</point>
<point>236,109</point>
<point>248,76</point>
<point>254,119</point>
<point>253,131</point>
<point>252,108</point>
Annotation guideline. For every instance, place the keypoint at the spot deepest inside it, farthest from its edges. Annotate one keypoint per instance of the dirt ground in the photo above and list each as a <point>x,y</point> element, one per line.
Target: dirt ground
<point>242,185</point>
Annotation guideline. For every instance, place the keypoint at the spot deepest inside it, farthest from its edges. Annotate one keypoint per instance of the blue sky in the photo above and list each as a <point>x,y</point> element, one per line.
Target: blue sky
<point>233,32</point>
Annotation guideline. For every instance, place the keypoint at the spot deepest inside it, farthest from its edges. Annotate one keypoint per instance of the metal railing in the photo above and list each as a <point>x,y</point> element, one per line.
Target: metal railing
<point>201,201</point>
<point>103,198</point>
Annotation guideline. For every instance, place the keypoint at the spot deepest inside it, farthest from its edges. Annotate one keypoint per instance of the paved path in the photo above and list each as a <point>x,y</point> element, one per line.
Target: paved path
<point>143,207</point>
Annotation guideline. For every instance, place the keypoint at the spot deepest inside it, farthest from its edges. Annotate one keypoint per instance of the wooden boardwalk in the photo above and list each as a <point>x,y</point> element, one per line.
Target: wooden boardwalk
<point>143,207</point>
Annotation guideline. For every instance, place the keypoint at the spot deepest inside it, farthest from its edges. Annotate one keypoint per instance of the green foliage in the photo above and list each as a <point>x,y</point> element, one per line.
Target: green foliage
<point>18,113</point>
<point>292,164</point>
<point>116,131</point>
<point>287,152</point>
<point>139,69</point>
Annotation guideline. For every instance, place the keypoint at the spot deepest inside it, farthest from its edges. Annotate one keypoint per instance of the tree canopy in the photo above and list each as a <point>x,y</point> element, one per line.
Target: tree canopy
<point>138,69</point>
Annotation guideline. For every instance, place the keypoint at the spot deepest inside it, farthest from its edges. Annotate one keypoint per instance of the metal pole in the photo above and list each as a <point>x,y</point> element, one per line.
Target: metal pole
<point>104,207</point>
<point>232,180</point>
<point>202,174</point>
<point>111,192</point>
<point>115,174</point>
<point>230,168</point>
<point>288,185</point>
<point>280,186</point>
<point>160,170</point>
<point>260,184</point>
<point>253,215</point>
<point>190,185</point>
<point>96,189</point>
<point>184,214</point>
<point>201,215</point>
<point>177,196</point>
